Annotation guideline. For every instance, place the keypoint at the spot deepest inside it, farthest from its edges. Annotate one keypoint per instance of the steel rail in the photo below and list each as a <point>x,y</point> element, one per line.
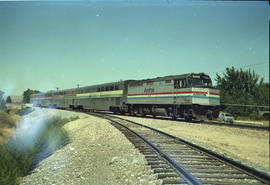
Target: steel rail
<point>261,176</point>
<point>217,123</point>
<point>236,125</point>
<point>187,176</point>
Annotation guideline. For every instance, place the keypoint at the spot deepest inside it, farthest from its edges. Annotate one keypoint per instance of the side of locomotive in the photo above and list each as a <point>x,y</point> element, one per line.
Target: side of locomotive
<point>189,96</point>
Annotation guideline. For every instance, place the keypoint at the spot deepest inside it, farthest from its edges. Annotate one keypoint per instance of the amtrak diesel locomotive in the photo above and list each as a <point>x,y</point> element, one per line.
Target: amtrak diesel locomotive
<point>188,96</point>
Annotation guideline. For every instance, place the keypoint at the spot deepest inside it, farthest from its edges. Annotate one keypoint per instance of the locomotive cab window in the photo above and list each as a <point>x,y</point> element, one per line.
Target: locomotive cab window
<point>207,82</point>
<point>200,82</point>
<point>179,83</point>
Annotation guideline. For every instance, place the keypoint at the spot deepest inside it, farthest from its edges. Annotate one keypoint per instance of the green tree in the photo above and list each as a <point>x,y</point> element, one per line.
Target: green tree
<point>27,93</point>
<point>242,87</point>
<point>263,94</point>
<point>8,100</point>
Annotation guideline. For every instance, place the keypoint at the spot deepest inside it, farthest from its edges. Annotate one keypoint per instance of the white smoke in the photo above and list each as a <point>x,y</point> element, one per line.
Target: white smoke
<point>29,131</point>
<point>8,88</point>
<point>46,85</point>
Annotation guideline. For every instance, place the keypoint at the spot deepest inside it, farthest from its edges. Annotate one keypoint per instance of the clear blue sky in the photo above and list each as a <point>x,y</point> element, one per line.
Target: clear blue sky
<point>44,45</point>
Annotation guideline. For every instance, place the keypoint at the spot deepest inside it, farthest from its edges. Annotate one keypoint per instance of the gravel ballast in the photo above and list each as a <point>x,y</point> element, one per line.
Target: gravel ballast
<point>98,154</point>
<point>250,147</point>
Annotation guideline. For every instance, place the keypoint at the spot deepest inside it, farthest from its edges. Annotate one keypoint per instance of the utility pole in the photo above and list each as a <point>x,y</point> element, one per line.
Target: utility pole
<point>78,85</point>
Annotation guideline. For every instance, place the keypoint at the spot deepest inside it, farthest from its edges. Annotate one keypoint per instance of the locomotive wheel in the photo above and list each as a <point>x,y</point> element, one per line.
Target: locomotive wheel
<point>141,112</point>
<point>173,116</point>
<point>132,112</point>
<point>136,111</point>
<point>209,116</point>
<point>188,119</point>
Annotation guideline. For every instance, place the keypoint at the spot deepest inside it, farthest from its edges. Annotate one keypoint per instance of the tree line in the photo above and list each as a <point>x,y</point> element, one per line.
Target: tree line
<point>246,90</point>
<point>26,98</point>
<point>27,93</point>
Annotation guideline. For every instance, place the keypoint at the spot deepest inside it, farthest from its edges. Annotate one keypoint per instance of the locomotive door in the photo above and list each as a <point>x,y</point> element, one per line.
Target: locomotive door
<point>177,83</point>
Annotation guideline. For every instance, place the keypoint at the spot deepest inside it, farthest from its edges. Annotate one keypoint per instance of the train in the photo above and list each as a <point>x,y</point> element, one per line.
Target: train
<point>189,96</point>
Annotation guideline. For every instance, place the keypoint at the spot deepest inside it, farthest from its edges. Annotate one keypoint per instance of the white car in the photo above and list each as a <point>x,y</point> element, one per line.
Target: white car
<point>227,117</point>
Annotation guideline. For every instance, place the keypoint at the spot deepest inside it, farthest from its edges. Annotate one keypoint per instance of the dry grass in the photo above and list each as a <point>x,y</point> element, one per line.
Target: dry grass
<point>7,123</point>
<point>266,123</point>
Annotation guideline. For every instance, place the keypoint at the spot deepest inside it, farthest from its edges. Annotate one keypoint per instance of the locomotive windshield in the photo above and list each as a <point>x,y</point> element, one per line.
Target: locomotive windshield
<point>200,81</point>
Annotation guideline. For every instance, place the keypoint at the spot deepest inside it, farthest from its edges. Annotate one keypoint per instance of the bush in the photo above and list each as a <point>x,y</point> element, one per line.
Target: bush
<point>6,120</point>
<point>3,108</point>
<point>24,111</point>
<point>23,152</point>
<point>10,170</point>
<point>256,117</point>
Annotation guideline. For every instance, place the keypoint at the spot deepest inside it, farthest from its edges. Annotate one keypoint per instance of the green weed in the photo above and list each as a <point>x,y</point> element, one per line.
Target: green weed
<point>20,155</point>
<point>24,111</point>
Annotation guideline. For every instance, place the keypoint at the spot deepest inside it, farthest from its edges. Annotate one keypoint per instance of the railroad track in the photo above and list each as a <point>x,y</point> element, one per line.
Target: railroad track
<point>177,161</point>
<point>218,123</point>
<point>238,125</point>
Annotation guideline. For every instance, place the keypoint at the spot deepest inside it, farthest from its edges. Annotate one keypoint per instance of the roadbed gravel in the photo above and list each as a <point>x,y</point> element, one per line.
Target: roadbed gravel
<point>97,154</point>
<point>250,147</point>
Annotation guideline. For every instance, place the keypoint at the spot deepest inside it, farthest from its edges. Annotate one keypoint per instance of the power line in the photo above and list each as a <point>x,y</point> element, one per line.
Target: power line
<point>256,64</point>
